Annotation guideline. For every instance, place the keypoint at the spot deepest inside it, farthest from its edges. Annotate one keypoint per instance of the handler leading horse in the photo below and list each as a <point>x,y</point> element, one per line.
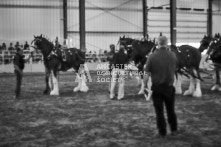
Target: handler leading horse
<point>213,53</point>
<point>56,59</point>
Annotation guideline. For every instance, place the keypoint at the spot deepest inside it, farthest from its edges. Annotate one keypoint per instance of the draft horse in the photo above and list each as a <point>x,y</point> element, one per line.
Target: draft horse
<point>213,46</point>
<point>57,59</point>
<point>188,62</point>
<point>137,51</point>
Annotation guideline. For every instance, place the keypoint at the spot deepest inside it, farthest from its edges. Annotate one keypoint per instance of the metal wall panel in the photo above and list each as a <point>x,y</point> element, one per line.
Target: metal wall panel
<point>216,16</point>
<point>191,19</point>
<point>21,19</point>
<point>106,20</point>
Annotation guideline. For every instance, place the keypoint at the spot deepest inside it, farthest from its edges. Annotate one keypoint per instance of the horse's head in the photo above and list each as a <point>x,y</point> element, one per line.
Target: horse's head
<point>126,41</point>
<point>214,48</point>
<point>204,43</point>
<point>42,44</point>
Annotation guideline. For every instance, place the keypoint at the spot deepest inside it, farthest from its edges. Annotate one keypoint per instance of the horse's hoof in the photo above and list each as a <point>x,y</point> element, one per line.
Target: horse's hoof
<point>140,92</point>
<point>215,87</point>
<point>197,94</point>
<point>179,92</point>
<point>84,89</point>
<point>76,89</point>
<point>54,93</point>
<point>188,92</point>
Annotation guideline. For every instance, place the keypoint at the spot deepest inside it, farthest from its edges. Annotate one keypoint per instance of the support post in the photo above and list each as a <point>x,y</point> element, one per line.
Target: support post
<point>65,18</point>
<point>209,18</point>
<point>144,18</point>
<point>173,22</point>
<point>82,25</point>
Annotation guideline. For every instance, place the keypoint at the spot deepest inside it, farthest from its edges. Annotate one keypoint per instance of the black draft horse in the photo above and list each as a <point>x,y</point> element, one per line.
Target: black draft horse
<point>188,62</point>
<point>54,61</point>
<point>213,46</point>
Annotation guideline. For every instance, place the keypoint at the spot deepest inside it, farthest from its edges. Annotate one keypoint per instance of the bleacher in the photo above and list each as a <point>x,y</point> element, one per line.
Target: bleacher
<point>6,56</point>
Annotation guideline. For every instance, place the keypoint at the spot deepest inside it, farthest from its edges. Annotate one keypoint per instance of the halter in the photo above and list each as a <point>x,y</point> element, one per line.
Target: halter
<point>52,52</point>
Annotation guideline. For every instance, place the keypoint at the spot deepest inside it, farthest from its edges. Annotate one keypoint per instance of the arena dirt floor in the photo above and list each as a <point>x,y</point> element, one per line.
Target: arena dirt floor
<point>93,120</point>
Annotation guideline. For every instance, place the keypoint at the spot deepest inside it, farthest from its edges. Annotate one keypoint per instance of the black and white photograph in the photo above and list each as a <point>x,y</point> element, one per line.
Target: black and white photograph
<point>110,73</point>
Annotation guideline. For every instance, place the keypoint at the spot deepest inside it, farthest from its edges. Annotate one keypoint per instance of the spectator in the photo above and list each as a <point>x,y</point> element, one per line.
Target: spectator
<point>17,45</point>
<point>26,46</point>
<point>3,46</point>
<point>11,48</point>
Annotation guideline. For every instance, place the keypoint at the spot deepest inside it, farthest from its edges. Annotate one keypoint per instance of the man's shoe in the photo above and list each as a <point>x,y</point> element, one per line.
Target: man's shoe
<point>120,98</point>
<point>174,133</point>
<point>157,135</point>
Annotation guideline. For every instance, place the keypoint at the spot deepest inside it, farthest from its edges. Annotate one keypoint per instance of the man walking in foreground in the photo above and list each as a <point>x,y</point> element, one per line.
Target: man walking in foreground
<point>161,67</point>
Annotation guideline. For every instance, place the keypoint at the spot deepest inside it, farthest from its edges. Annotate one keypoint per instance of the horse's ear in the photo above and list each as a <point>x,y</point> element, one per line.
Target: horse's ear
<point>218,35</point>
<point>161,34</point>
<point>41,36</point>
<point>154,40</point>
<point>123,36</point>
<point>34,36</point>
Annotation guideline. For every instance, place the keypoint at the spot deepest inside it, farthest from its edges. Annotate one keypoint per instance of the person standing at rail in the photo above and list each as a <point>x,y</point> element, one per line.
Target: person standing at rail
<point>161,67</point>
<point>19,65</point>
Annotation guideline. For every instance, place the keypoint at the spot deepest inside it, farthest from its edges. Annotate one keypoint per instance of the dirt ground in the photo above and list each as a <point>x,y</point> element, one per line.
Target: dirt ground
<point>93,120</point>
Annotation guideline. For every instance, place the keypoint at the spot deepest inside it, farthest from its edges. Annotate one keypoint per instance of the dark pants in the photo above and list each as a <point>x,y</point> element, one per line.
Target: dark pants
<point>18,83</point>
<point>164,94</point>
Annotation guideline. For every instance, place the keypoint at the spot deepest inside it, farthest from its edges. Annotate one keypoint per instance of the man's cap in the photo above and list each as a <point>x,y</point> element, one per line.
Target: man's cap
<point>112,45</point>
<point>162,40</point>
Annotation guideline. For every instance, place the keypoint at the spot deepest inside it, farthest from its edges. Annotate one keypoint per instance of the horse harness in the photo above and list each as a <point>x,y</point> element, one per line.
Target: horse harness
<point>54,52</point>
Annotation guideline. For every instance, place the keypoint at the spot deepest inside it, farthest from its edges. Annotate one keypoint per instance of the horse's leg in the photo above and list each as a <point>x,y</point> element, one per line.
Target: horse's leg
<point>142,84</point>
<point>197,92</point>
<point>50,82</point>
<point>79,81</point>
<point>84,87</point>
<point>55,90</point>
<point>178,84</point>
<point>149,84</point>
<point>191,87</point>
<point>217,84</point>
<point>139,80</point>
<point>47,76</point>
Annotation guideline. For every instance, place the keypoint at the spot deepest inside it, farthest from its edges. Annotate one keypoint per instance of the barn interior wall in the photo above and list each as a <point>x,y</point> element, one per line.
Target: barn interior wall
<point>22,19</point>
<point>216,16</point>
<point>106,20</point>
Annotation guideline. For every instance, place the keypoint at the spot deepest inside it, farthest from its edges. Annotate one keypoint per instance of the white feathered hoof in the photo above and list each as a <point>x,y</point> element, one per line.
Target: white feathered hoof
<point>138,81</point>
<point>84,89</point>
<point>76,89</point>
<point>141,92</point>
<point>179,91</point>
<point>197,94</point>
<point>188,92</point>
<point>215,87</point>
<point>54,92</point>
